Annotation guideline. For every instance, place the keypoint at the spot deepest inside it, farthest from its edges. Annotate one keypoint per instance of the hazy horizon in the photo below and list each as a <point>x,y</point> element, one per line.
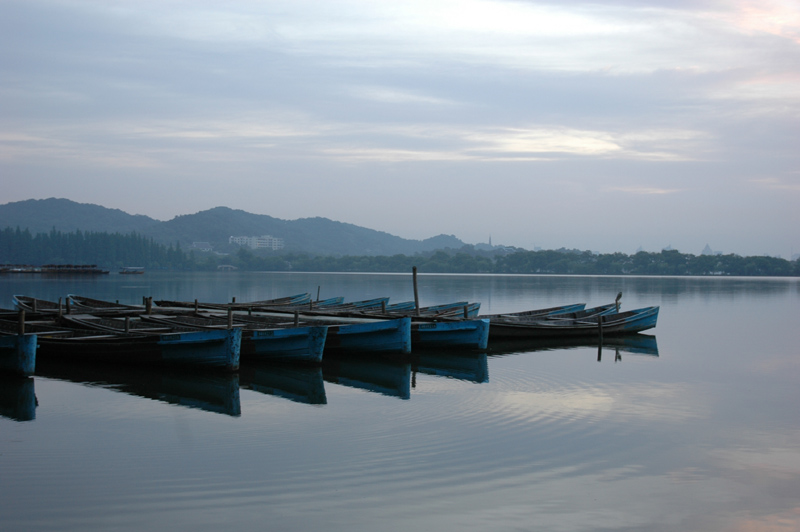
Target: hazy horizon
<point>603,126</point>
<point>489,240</point>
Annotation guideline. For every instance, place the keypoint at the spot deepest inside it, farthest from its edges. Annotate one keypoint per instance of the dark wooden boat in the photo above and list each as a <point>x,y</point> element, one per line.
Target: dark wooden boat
<point>537,313</point>
<point>32,304</point>
<point>600,310</point>
<point>629,322</point>
<point>297,299</point>
<point>87,304</point>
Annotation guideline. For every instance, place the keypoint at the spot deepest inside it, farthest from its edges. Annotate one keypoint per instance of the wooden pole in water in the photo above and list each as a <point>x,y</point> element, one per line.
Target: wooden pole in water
<point>149,305</point>
<point>34,304</point>
<point>383,307</point>
<point>196,306</point>
<point>318,287</point>
<point>296,318</point>
<point>230,317</point>
<point>233,300</point>
<point>22,321</point>
<point>600,328</point>
<point>466,311</point>
<point>127,324</point>
<point>416,292</point>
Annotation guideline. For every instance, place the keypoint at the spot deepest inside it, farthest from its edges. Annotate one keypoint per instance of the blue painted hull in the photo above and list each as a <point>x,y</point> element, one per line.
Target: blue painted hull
<point>218,349</point>
<point>301,344</point>
<point>462,334</point>
<point>18,354</point>
<point>380,336</point>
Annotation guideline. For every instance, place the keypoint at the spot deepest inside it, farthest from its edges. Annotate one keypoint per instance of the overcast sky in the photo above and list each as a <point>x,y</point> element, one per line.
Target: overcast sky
<point>604,125</point>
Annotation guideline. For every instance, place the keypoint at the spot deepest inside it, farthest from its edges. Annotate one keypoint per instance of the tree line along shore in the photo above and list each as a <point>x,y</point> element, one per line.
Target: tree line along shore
<point>115,251</point>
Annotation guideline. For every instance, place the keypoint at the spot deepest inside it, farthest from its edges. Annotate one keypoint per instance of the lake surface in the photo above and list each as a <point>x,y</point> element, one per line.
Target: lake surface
<point>701,432</point>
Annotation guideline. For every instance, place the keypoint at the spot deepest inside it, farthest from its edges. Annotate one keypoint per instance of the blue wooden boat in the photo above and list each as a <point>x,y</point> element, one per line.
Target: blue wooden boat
<point>18,353</point>
<point>345,334</point>
<point>460,309</point>
<point>450,334</point>
<point>374,336</point>
<point>629,322</point>
<point>285,343</point>
<point>82,338</point>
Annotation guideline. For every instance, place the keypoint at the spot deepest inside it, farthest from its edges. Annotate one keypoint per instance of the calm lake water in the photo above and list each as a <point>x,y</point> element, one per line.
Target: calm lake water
<point>699,433</point>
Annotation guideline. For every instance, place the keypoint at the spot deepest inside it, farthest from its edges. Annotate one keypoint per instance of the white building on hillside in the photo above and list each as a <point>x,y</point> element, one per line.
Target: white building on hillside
<point>258,242</point>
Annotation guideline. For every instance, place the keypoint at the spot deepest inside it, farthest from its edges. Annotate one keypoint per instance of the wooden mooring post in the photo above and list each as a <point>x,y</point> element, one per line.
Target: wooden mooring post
<point>600,328</point>
<point>21,324</point>
<point>230,317</point>
<point>416,292</point>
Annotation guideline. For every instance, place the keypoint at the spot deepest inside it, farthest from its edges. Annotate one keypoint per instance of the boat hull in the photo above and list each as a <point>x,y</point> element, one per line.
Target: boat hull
<point>302,344</point>
<point>463,334</point>
<point>379,336</point>
<point>214,349</point>
<point>597,326</point>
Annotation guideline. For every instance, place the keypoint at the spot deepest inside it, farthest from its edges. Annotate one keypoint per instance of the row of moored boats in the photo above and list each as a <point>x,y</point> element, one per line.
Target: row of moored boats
<point>289,329</point>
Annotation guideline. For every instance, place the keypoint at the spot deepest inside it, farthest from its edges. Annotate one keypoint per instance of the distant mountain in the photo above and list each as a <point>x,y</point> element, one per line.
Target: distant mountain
<point>310,235</point>
<point>40,216</point>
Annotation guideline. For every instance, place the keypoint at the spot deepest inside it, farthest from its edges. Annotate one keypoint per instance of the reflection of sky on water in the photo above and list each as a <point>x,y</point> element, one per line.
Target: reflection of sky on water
<point>702,437</point>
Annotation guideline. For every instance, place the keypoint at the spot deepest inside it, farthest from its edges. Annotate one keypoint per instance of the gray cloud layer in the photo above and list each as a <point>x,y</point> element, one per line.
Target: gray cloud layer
<point>601,126</point>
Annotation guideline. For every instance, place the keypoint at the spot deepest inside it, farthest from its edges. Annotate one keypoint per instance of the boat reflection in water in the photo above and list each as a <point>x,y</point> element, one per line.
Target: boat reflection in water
<point>466,365</point>
<point>209,391</point>
<point>383,376</point>
<point>17,398</point>
<point>302,384</point>
<point>637,344</point>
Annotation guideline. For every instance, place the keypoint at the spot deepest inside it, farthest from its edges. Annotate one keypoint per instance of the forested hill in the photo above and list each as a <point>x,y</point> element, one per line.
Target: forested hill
<point>214,226</point>
<point>40,216</point>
